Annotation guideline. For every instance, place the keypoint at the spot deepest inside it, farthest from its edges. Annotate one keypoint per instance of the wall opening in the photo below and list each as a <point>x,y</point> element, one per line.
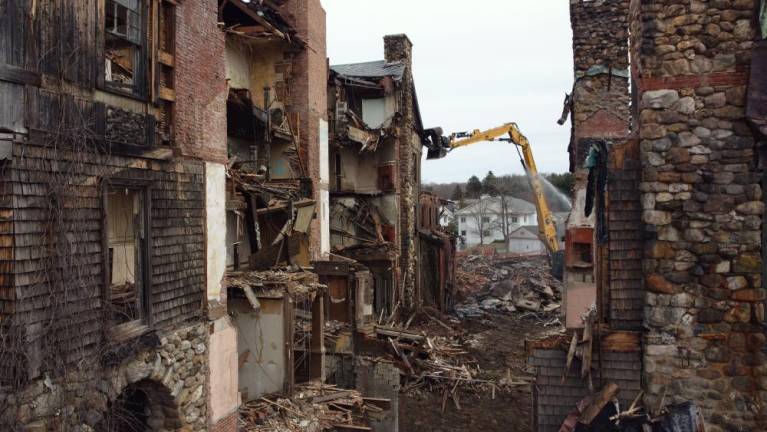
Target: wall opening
<point>126,229</point>
<point>141,407</point>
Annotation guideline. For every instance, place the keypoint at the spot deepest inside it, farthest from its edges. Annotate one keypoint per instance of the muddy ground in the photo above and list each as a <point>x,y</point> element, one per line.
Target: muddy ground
<point>500,346</point>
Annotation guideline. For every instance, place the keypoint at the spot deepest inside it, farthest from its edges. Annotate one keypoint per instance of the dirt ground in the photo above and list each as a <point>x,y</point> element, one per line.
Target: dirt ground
<point>500,346</point>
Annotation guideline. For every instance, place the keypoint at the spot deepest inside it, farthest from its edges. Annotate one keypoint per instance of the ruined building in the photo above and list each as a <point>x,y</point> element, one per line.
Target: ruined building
<point>112,153</point>
<point>276,191</point>
<point>375,155</point>
<point>665,243</point>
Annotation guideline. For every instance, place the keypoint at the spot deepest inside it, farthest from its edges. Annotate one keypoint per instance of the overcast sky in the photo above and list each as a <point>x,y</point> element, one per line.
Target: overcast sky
<point>477,64</point>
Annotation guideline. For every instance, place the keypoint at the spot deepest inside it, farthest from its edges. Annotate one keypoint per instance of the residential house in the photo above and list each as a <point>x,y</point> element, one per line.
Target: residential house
<point>113,143</point>
<point>491,220</point>
<point>375,156</point>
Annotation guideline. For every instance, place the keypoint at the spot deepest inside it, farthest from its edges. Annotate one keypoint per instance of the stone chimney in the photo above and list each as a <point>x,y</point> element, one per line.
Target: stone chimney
<point>398,48</point>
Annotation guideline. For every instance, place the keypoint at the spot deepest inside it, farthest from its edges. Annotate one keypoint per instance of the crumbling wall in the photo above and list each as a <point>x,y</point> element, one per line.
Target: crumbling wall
<point>308,98</point>
<point>703,208</point>
<point>600,113</point>
<point>400,48</point>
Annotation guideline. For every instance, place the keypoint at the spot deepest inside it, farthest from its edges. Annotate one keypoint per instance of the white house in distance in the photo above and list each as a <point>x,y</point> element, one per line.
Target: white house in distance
<point>481,221</point>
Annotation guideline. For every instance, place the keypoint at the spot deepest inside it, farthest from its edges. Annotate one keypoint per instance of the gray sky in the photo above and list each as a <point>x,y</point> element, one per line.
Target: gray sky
<point>477,65</point>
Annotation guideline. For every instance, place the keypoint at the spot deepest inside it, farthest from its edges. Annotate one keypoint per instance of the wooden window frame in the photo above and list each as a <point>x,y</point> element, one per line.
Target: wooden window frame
<point>141,86</point>
<point>135,328</point>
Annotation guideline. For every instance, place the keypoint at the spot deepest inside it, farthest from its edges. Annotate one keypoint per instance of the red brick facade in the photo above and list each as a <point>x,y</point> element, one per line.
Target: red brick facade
<point>308,94</point>
<point>227,424</point>
<point>200,82</point>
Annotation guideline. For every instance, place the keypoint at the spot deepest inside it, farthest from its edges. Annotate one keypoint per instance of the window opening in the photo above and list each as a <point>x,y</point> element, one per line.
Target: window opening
<point>126,239</point>
<point>123,39</point>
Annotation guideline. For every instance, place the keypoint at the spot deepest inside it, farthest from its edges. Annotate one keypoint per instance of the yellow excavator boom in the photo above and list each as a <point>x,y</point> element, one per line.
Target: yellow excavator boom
<point>547,226</point>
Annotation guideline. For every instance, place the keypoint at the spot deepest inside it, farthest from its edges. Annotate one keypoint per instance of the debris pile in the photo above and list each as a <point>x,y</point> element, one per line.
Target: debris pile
<point>316,407</point>
<point>510,285</point>
<point>439,364</point>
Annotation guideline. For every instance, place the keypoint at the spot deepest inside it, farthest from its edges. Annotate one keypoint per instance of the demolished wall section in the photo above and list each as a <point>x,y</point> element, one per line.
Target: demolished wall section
<point>703,210</point>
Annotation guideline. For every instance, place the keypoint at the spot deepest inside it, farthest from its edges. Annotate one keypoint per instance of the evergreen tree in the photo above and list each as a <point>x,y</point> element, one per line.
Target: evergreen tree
<point>490,184</point>
<point>473,187</point>
<point>457,194</point>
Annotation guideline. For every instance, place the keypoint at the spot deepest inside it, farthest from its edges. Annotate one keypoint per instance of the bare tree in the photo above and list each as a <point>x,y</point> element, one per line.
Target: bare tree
<point>481,215</point>
<point>502,222</point>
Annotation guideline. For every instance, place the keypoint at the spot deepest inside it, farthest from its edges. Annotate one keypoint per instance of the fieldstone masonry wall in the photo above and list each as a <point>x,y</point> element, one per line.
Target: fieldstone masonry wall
<point>398,48</point>
<point>702,209</point>
<point>173,375</point>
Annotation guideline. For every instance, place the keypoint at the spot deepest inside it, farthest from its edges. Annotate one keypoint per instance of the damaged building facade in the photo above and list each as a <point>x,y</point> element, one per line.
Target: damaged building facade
<point>276,190</point>
<point>375,156</point>
<point>664,269</point>
<point>113,141</point>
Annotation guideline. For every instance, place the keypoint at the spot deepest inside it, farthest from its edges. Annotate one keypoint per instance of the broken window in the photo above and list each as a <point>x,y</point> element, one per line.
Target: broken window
<point>123,40</point>
<point>126,241</point>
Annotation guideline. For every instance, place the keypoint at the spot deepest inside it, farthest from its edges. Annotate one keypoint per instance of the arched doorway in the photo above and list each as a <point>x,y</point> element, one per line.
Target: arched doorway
<point>144,406</point>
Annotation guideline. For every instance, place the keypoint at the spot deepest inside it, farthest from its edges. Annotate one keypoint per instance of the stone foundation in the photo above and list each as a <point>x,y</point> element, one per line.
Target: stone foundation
<point>172,376</point>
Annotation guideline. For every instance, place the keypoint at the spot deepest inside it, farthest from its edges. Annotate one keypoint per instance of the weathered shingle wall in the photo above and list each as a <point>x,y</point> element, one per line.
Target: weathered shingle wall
<point>556,399</point>
<point>58,241</point>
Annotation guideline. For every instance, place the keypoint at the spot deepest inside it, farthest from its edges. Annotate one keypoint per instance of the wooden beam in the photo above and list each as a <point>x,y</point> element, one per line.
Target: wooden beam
<point>167,94</point>
<point>166,58</point>
<point>256,17</point>
<point>18,75</point>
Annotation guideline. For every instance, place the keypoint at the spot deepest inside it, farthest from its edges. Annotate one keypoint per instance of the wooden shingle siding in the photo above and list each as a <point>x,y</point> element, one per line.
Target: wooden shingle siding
<point>555,399</point>
<point>176,233</point>
<point>626,296</point>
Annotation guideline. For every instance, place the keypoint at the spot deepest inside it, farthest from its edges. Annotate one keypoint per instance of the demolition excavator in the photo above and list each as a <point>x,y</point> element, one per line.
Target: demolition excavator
<point>438,146</point>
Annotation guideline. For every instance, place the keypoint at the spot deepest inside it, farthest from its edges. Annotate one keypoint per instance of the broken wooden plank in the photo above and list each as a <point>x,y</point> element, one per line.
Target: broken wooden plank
<point>397,333</point>
<point>607,394</point>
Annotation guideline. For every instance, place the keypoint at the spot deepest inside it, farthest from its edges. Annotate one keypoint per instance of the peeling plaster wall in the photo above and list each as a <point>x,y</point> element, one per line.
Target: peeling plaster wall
<point>224,395</point>
<point>261,343</point>
<point>215,227</point>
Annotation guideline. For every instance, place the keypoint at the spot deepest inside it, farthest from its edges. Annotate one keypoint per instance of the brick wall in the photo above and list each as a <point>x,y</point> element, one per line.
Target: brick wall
<point>703,207</point>
<point>200,82</point>
<point>308,93</point>
<point>227,424</point>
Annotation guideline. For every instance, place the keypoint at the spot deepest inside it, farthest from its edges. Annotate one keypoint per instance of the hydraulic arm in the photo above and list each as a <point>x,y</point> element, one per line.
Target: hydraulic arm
<point>438,147</point>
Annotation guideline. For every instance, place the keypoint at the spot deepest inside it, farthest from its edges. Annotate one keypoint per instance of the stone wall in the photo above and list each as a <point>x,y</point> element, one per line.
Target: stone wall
<point>172,375</point>
<point>702,208</point>
<point>400,48</point>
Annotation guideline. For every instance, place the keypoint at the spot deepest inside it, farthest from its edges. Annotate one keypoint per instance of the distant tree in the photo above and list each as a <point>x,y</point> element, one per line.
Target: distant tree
<point>473,187</point>
<point>457,194</point>
<point>489,184</point>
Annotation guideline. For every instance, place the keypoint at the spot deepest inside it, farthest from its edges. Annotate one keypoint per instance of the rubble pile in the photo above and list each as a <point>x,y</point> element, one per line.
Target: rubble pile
<point>316,407</point>
<point>521,284</point>
<point>439,364</point>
